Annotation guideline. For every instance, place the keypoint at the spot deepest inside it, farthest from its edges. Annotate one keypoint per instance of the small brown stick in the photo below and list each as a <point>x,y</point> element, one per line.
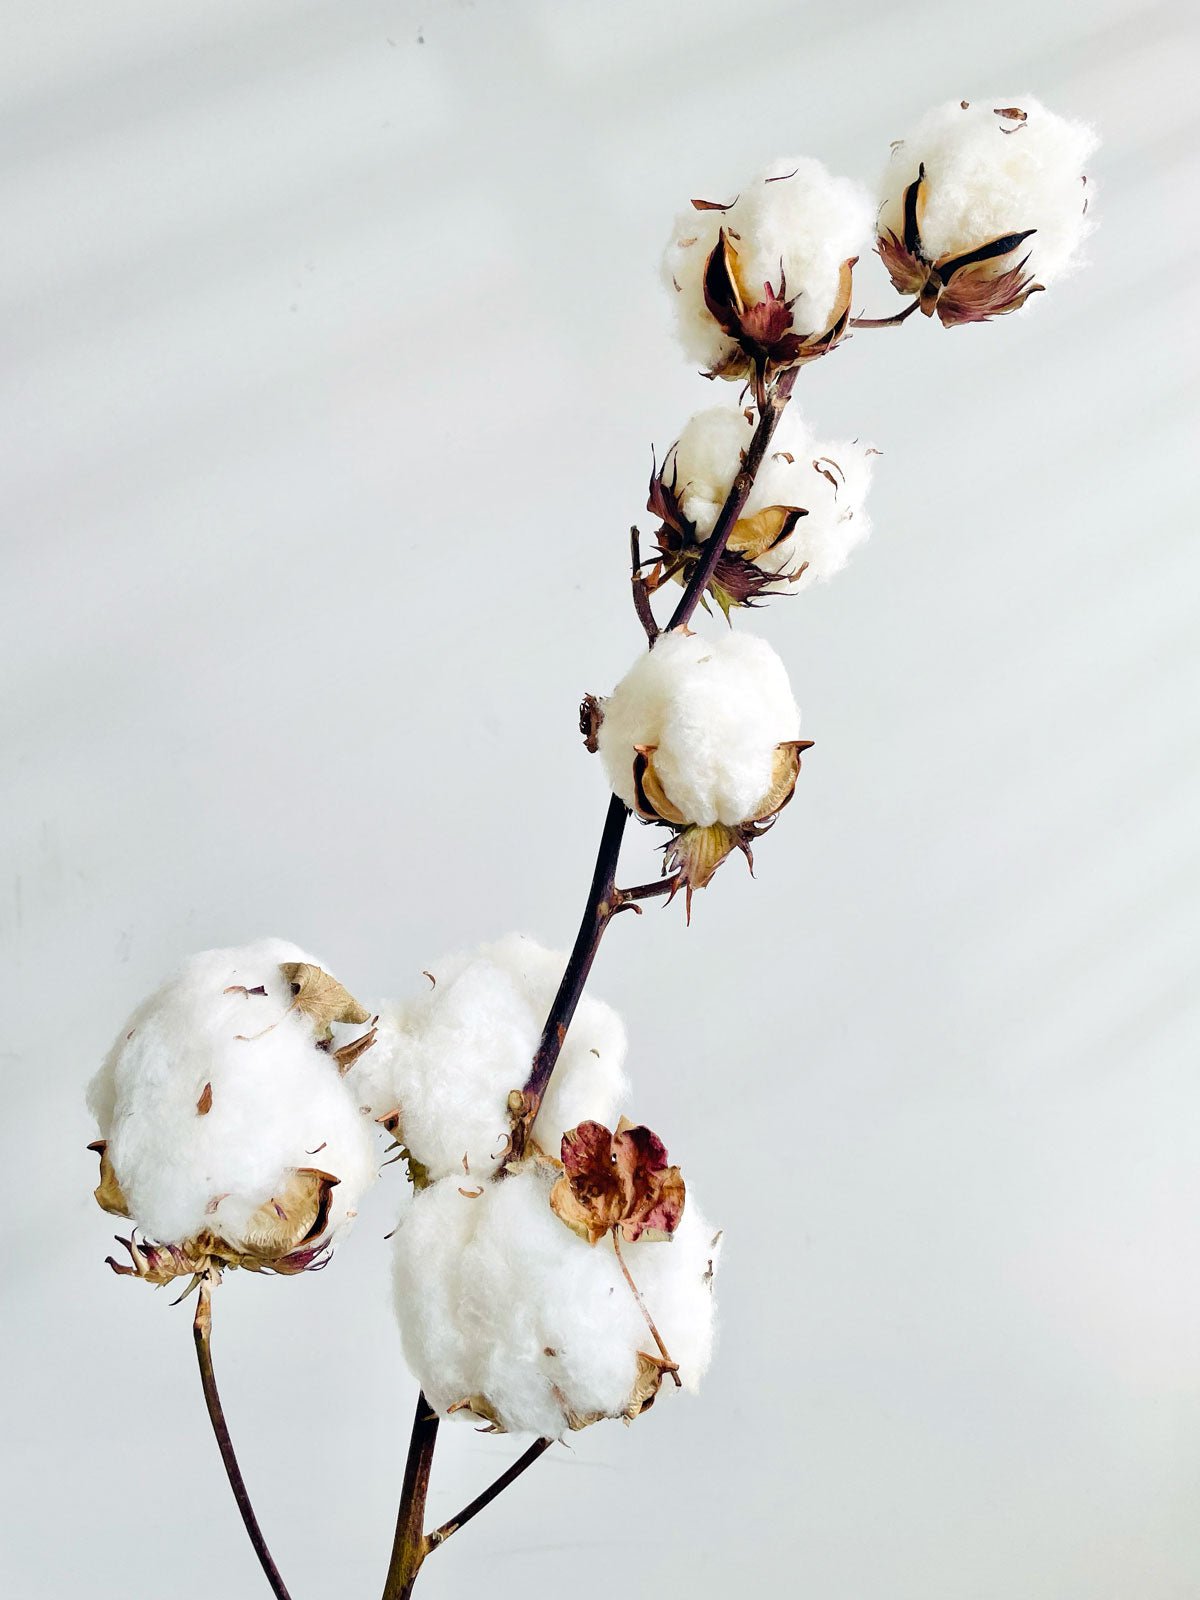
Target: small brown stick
<point>440,1535</point>
<point>637,1295</point>
<point>886,322</point>
<point>202,1333</point>
<point>641,589</point>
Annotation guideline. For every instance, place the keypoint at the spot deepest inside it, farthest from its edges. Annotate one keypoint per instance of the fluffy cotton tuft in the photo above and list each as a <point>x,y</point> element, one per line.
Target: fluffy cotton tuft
<point>987,175</point>
<point>448,1060</point>
<point>498,1299</point>
<point>828,479</point>
<point>794,222</point>
<point>276,1103</point>
<point>714,711</point>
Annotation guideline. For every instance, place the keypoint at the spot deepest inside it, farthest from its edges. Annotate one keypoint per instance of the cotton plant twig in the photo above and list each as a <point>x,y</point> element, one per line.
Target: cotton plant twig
<point>510,1475</point>
<point>202,1333</point>
<point>893,321</point>
<point>643,1308</point>
<point>410,1545</point>
<point>603,900</point>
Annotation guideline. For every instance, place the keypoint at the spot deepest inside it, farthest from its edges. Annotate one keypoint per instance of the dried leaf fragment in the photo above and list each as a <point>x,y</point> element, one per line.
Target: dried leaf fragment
<point>321,997</point>
<point>110,1196</point>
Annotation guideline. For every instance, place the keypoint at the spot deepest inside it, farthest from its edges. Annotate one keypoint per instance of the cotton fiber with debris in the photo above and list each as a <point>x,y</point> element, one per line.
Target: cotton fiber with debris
<point>995,167</point>
<point>216,1093</point>
<point>713,712</point>
<point>792,226</point>
<point>828,480</point>
<point>505,1308</point>
<point>447,1060</point>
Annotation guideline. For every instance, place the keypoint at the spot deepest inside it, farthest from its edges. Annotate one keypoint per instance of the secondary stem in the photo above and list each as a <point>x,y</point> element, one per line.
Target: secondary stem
<point>410,1546</point>
<point>642,1307</point>
<point>537,1448</point>
<point>202,1333</point>
<point>886,322</point>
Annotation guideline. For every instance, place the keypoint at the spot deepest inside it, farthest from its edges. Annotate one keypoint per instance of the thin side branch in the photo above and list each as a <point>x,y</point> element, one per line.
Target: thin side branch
<point>537,1448</point>
<point>410,1545</point>
<point>641,1305</point>
<point>202,1333</point>
<point>650,891</point>
<point>886,322</point>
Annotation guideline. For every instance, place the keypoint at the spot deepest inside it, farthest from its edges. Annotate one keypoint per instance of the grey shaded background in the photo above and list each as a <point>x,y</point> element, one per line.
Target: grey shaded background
<point>333,355</point>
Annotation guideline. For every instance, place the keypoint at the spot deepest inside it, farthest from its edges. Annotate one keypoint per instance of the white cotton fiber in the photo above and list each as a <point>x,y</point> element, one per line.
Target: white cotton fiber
<point>447,1060</point>
<point>987,175</point>
<point>275,1101</point>
<point>714,712</point>
<point>795,224</point>
<point>829,479</point>
<point>497,1298</point>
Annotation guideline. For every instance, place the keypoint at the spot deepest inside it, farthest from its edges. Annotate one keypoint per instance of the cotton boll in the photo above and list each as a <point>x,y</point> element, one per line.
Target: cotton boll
<point>447,1060</point>
<point>992,169</point>
<point>501,1304</point>
<point>792,228</point>
<point>215,1095</point>
<point>828,480</point>
<point>714,713</point>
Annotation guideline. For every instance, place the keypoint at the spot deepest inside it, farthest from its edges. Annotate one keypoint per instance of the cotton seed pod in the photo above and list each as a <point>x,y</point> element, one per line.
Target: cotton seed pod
<point>804,515</point>
<point>984,204</point>
<point>509,1318</point>
<point>762,282</point>
<point>228,1133</point>
<point>446,1060</point>
<point>701,735</point>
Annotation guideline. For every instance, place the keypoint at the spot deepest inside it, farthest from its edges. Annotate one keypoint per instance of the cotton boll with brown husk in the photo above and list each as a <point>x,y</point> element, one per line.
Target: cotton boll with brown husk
<point>228,1134</point>
<point>508,1316</point>
<point>446,1061</point>
<point>805,513</point>
<point>983,204</point>
<point>762,282</point>
<point>702,735</point>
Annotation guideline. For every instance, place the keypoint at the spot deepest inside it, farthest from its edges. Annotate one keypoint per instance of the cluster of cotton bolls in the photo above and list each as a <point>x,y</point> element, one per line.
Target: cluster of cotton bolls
<point>823,483</point>
<point>505,1313</point>
<point>227,1129</point>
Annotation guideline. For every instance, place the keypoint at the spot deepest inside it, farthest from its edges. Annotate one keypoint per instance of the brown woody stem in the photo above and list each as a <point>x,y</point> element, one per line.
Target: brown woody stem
<point>440,1535</point>
<point>603,898</point>
<point>410,1545</point>
<point>650,891</point>
<point>641,1304</point>
<point>202,1333</point>
<point>886,322</point>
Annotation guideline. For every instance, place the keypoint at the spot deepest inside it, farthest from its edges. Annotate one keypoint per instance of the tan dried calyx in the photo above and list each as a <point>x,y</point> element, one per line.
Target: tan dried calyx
<point>696,851</point>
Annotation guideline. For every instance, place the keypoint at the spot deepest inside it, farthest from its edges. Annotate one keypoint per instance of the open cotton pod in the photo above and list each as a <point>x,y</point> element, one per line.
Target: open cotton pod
<point>509,1317</point>
<point>762,282</point>
<point>702,735</point>
<point>804,515</point>
<point>446,1061</point>
<point>983,204</point>
<point>228,1134</point>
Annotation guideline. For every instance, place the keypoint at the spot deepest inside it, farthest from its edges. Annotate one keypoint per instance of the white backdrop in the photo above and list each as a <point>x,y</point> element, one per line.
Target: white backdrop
<point>333,355</point>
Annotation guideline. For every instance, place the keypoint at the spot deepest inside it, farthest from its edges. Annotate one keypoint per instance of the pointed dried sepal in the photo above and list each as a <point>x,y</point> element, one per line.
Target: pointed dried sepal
<point>162,1263</point>
<point>617,1181</point>
<point>110,1196</point>
<point>321,997</point>
<point>764,328</point>
<point>479,1406</point>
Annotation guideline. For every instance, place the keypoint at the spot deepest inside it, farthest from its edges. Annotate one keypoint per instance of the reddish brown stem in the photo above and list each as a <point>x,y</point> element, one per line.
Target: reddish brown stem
<point>202,1333</point>
<point>537,1448</point>
<point>602,901</point>
<point>411,1546</point>
<point>886,322</point>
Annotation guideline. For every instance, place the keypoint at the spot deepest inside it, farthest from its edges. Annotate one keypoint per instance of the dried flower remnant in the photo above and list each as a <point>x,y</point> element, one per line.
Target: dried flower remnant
<point>973,221</point>
<point>763,284</point>
<point>619,1181</point>
<point>208,1123</point>
<point>804,516</point>
<point>701,736</point>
